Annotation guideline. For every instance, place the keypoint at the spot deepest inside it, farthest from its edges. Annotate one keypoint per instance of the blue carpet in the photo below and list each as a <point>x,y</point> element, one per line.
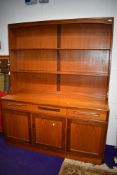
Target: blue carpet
<point>18,161</point>
<point>110,153</point>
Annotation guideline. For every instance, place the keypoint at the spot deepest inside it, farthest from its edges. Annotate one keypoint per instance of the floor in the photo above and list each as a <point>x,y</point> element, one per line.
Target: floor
<point>17,161</point>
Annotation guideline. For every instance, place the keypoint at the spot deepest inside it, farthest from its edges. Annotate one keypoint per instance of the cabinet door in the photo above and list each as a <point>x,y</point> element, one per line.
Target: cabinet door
<point>49,131</point>
<point>86,137</point>
<point>16,125</point>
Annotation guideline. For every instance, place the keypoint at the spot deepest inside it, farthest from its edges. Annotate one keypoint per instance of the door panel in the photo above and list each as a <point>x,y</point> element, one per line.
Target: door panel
<point>16,125</point>
<point>86,137</point>
<point>49,131</point>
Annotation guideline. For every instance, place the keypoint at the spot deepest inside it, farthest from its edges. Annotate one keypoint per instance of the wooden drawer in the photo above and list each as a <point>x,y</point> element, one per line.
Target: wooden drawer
<point>87,114</point>
<point>16,105</point>
<point>49,109</point>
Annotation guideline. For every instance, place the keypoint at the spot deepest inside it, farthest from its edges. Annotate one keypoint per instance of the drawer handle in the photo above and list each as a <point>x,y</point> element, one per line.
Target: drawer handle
<point>86,113</point>
<point>49,108</point>
<point>16,104</point>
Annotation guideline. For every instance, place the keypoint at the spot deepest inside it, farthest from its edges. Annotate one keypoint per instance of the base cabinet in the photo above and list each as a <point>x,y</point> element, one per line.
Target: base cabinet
<point>86,137</point>
<point>17,125</point>
<point>78,133</point>
<point>49,131</point>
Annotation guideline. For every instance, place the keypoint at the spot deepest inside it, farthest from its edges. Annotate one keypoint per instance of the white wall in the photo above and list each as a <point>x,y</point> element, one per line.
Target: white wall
<point>14,11</point>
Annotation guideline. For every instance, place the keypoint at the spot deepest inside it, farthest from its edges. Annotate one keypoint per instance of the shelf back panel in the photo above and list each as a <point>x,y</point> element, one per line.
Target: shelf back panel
<point>86,36</point>
<point>29,82</point>
<point>85,61</point>
<point>44,36</point>
<point>39,60</point>
<point>88,86</point>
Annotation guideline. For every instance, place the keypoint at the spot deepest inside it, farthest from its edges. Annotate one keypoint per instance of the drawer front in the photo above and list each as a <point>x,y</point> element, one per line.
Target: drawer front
<point>49,109</point>
<point>16,105</point>
<point>87,114</point>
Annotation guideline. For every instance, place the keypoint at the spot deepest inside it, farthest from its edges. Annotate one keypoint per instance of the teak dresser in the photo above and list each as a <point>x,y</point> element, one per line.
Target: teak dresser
<point>58,101</point>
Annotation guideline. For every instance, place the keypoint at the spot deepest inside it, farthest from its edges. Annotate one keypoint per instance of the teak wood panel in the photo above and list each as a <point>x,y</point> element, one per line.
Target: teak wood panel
<point>86,137</point>
<point>17,106</point>
<point>49,131</point>
<point>85,61</point>
<point>16,125</point>
<point>31,82</point>
<point>88,86</point>
<point>44,36</point>
<point>86,36</point>
<point>34,60</point>
<point>87,114</point>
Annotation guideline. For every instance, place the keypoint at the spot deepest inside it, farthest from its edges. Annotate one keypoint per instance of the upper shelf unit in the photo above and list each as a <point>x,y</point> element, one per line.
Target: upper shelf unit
<point>62,36</point>
<point>65,56</point>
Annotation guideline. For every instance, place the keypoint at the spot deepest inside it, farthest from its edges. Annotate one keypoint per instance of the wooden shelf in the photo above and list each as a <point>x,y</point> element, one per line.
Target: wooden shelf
<point>63,73</point>
<point>26,49</point>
